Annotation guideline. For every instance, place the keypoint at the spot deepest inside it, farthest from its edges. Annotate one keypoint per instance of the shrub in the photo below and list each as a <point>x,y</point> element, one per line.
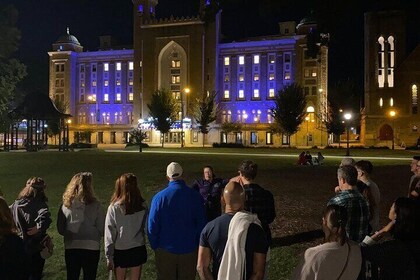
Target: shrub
<point>228,145</point>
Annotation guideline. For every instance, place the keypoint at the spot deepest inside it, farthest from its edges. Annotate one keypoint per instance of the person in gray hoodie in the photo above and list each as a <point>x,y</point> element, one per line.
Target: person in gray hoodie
<point>81,220</point>
<point>32,218</point>
<point>125,229</point>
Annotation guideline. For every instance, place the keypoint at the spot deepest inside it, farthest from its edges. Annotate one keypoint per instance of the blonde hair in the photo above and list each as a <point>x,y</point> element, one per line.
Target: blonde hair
<point>128,193</point>
<point>7,225</point>
<point>34,187</point>
<point>79,187</point>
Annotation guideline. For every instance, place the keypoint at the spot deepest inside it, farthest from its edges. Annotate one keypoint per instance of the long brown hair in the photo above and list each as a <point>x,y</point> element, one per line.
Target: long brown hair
<point>127,193</point>
<point>7,225</point>
<point>79,187</point>
<point>34,187</point>
<point>336,220</point>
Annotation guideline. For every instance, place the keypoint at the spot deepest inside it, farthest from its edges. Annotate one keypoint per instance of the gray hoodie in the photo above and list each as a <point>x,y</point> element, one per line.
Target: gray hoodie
<point>81,231</point>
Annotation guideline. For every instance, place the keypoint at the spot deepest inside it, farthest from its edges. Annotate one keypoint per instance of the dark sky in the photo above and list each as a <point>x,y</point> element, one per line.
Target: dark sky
<point>42,21</point>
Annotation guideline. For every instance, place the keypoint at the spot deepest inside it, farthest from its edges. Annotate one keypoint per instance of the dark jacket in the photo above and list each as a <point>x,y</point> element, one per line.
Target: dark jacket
<point>210,192</point>
<point>261,202</point>
<point>14,262</point>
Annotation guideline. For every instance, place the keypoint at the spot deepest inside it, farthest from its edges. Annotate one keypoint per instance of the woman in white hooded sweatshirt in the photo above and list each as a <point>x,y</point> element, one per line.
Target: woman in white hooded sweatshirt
<point>125,229</point>
<point>81,221</point>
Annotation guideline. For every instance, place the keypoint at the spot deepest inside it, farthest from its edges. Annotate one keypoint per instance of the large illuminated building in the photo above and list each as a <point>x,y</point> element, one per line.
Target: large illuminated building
<point>392,80</point>
<point>108,90</point>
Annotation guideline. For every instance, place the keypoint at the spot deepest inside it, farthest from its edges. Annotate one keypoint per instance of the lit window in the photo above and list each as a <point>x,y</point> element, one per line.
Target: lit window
<point>130,96</point>
<point>176,64</point>
<point>226,94</point>
<point>131,65</point>
<point>381,102</point>
<point>118,66</point>
<point>118,82</point>
<point>94,83</point>
<point>241,60</point>
<point>256,93</point>
<point>381,62</point>
<point>414,99</point>
<point>310,109</point>
<point>106,67</point>
<point>82,83</point>
<point>226,78</point>
<point>176,79</point>
<point>256,59</point>
<point>118,97</point>
<point>256,77</point>
<point>241,94</point>
<point>130,82</point>
<point>106,83</point>
<point>271,92</point>
<point>313,72</point>
<point>391,102</point>
<point>272,58</point>
<point>271,77</point>
<point>226,60</point>
<point>287,75</point>
<point>106,97</point>
<point>92,98</point>
<point>241,77</point>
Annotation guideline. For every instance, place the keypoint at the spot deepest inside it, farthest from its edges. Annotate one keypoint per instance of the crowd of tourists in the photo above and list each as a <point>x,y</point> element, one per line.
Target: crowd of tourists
<point>217,227</point>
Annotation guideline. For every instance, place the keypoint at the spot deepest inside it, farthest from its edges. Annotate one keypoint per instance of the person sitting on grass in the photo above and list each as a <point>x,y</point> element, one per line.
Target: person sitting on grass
<point>337,257</point>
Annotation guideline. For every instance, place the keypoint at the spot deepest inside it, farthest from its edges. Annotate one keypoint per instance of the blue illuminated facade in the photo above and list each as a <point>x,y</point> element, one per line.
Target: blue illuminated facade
<point>108,90</point>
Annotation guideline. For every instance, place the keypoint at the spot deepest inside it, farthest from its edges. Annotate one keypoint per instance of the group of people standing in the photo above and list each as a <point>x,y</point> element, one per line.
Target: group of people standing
<point>355,247</point>
<point>174,227</point>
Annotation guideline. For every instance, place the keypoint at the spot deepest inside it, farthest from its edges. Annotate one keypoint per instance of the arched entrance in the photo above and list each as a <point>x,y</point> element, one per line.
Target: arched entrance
<point>385,132</point>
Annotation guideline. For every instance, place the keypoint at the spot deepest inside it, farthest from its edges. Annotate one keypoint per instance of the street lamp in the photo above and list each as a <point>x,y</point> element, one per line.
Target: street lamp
<point>307,130</point>
<point>393,114</point>
<point>347,117</point>
<point>186,90</point>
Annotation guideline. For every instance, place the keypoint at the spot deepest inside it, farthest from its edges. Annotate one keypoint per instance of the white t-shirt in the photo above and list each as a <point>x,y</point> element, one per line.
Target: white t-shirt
<point>326,262</point>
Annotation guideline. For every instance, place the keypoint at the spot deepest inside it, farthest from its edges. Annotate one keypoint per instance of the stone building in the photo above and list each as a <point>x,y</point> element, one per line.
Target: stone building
<point>392,78</point>
<point>108,90</point>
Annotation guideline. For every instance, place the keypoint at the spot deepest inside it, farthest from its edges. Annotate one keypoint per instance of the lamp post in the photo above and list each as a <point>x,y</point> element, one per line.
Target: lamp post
<point>307,130</point>
<point>392,114</point>
<point>347,117</point>
<point>186,90</point>
<point>245,117</point>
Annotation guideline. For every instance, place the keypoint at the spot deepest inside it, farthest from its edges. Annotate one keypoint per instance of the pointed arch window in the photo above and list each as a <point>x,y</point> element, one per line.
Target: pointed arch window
<point>391,61</point>
<point>414,100</point>
<point>381,62</point>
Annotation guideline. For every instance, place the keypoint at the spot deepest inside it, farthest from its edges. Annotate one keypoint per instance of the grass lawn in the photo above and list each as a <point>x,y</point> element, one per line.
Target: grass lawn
<point>301,192</point>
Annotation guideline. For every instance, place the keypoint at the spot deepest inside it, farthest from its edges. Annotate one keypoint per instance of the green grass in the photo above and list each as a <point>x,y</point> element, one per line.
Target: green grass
<point>300,192</point>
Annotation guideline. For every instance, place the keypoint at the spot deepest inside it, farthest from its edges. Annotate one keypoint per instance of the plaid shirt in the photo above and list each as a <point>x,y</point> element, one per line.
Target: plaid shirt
<point>357,213</point>
<point>261,202</point>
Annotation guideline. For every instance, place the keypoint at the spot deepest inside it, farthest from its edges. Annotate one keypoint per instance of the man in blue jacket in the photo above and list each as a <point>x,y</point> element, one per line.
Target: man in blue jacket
<point>175,222</point>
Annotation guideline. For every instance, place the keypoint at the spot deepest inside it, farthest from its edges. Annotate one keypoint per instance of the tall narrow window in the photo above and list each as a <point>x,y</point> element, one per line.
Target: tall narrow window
<point>226,60</point>
<point>241,60</point>
<point>414,99</point>
<point>106,67</point>
<point>381,62</point>
<point>391,61</point>
<point>381,102</point>
<point>391,102</point>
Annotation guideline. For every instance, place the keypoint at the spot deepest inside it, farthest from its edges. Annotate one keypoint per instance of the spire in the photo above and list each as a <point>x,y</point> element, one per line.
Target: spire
<point>68,31</point>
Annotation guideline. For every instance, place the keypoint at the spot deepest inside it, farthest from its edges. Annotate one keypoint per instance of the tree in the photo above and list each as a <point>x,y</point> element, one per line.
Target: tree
<point>289,110</point>
<point>229,127</point>
<point>137,136</point>
<point>206,112</point>
<point>162,109</point>
<point>11,70</point>
<point>54,126</point>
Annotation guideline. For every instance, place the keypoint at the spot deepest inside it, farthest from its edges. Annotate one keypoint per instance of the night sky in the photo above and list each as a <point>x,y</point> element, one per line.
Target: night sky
<point>41,22</point>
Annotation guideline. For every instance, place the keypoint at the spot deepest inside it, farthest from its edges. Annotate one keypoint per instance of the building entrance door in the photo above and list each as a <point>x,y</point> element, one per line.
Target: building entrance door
<point>385,132</point>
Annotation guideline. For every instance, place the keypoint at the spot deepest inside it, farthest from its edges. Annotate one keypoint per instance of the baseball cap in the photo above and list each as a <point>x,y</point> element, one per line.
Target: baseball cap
<point>174,170</point>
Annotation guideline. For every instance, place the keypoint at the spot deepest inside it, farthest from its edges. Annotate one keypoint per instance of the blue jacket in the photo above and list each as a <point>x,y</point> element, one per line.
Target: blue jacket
<point>176,219</point>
